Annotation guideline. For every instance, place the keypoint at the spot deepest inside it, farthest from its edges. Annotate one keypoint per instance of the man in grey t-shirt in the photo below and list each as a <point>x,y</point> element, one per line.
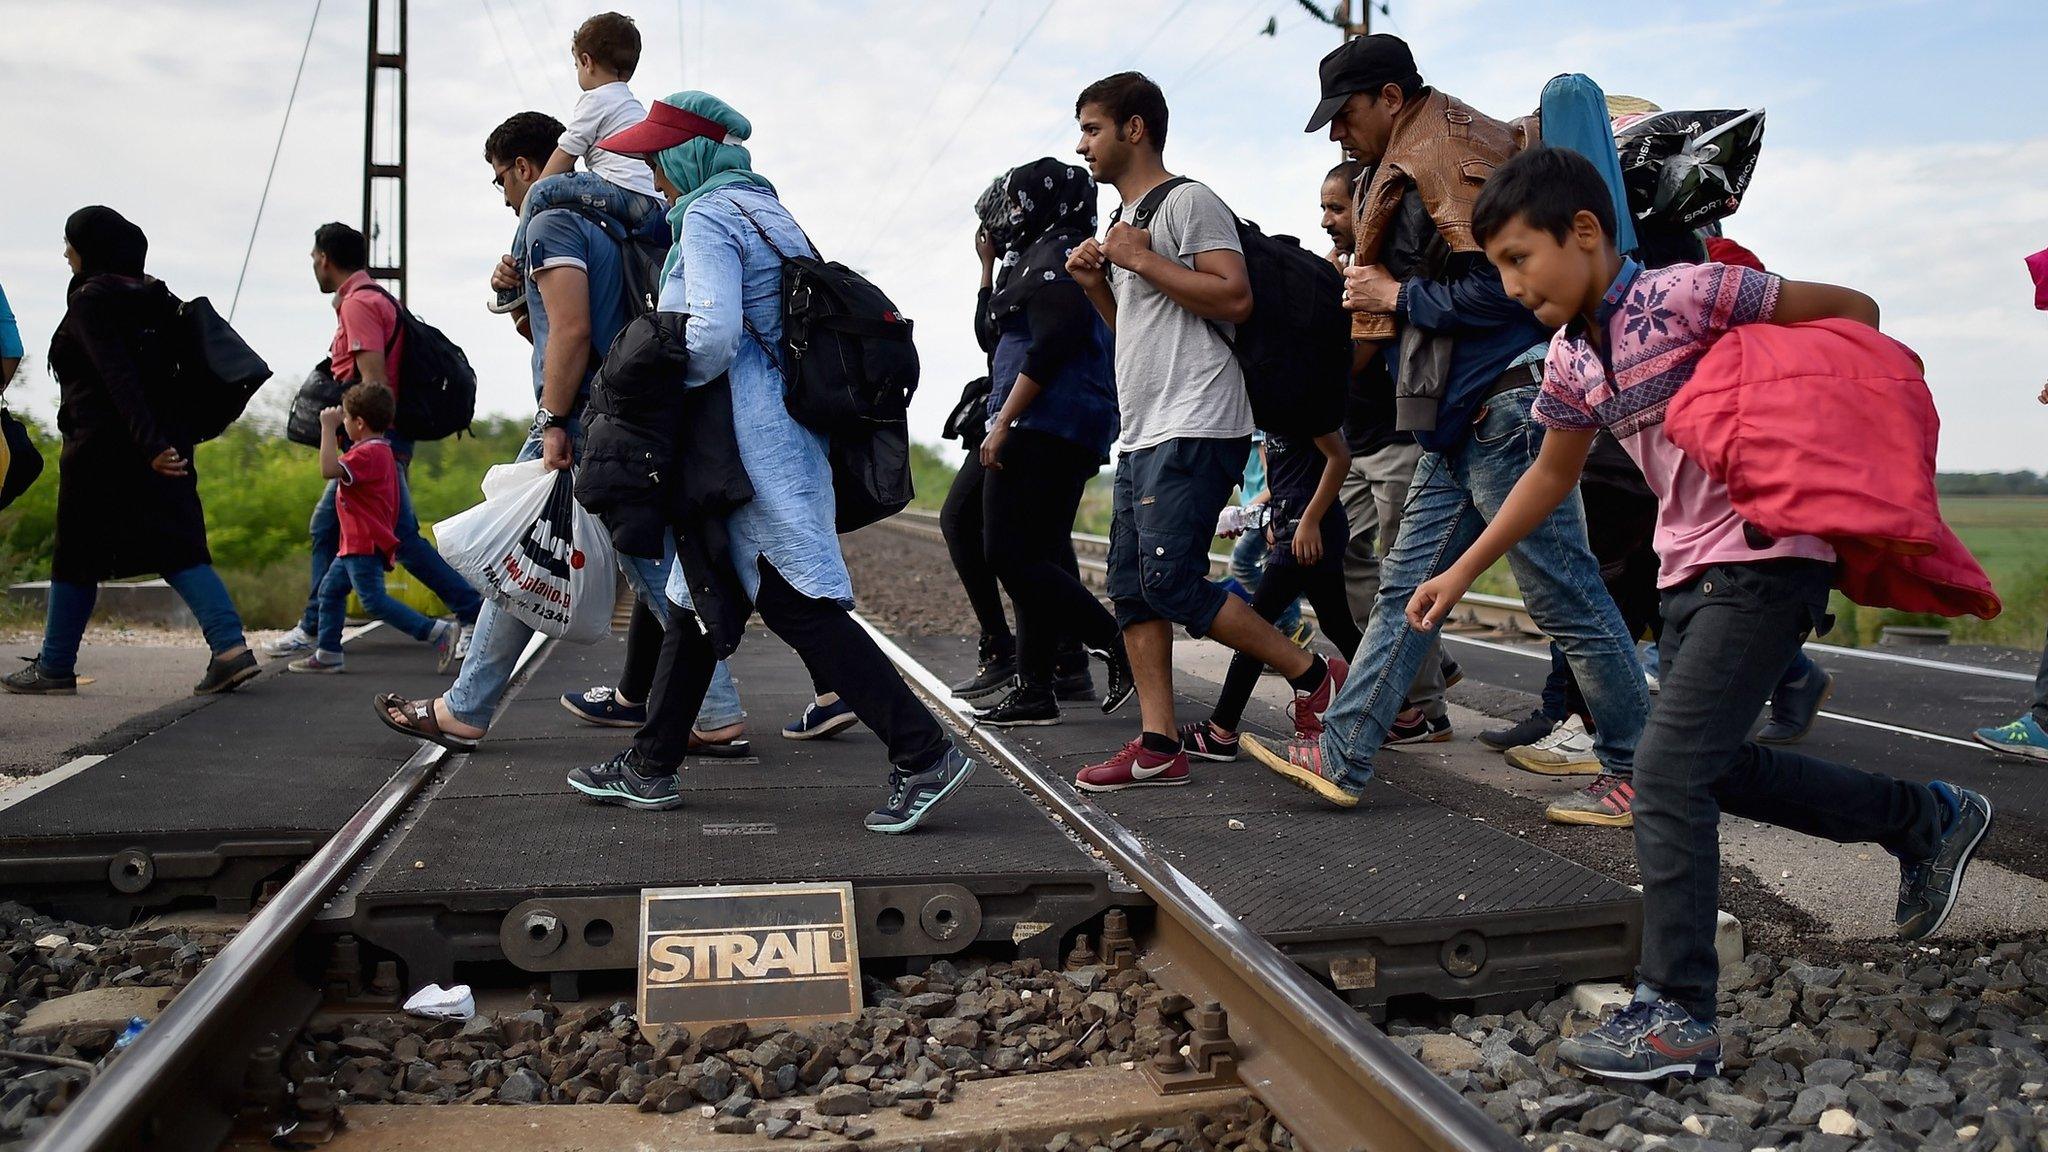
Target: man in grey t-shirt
<point>1170,280</point>
<point>1176,375</point>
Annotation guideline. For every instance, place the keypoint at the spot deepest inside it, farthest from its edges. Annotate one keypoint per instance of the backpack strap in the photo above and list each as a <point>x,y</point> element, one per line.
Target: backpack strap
<point>1141,217</point>
<point>395,328</point>
<point>772,245</point>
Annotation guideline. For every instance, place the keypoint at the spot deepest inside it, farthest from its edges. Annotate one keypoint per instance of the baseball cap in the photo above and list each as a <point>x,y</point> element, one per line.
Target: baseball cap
<point>1363,64</point>
<point>665,127</point>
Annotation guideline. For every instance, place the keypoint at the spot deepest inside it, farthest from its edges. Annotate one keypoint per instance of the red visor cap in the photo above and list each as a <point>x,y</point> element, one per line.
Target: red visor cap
<point>665,127</point>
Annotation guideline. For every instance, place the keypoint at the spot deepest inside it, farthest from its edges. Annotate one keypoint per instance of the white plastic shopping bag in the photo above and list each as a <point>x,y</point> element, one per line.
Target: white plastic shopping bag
<point>535,552</point>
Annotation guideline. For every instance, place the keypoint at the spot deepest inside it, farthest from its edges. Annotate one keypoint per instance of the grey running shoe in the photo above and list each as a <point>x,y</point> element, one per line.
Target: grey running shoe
<point>1648,1039</point>
<point>1927,888</point>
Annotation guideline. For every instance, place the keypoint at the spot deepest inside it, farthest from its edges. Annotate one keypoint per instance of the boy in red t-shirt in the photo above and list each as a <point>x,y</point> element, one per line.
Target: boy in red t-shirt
<point>367,505</point>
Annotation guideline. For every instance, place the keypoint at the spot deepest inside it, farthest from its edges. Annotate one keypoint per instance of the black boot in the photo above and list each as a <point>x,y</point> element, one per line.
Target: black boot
<point>1026,704</point>
<point>1121,686</point>
<point>1071,679</point>
<point>998,668</point>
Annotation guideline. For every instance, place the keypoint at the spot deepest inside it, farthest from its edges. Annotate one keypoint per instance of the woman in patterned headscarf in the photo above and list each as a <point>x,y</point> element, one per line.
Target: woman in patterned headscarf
<point>1052,417</point>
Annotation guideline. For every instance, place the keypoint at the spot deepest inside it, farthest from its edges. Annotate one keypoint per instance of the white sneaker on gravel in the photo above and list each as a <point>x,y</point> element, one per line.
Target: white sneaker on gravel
<point>292,643</point>
<point>462,640</point>
<point>1567,751</point>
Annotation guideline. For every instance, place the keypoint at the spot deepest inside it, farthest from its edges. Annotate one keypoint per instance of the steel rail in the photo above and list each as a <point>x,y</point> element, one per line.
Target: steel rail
<point>176,1062</point>
<point>1337,1082</point>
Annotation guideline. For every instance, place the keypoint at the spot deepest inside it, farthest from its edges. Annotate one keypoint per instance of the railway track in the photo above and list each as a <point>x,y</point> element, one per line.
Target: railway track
<point>210,1066</point>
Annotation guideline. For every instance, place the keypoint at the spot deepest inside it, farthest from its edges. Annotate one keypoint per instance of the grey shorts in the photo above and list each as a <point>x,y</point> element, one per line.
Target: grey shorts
<point>1167,498</point>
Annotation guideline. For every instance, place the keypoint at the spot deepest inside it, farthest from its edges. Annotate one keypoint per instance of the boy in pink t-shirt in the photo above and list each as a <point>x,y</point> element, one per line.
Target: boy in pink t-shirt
<point>366,503</point>
<point>1736,606</point>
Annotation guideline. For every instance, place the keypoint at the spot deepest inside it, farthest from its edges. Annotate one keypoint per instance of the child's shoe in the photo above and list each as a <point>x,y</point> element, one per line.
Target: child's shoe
<point>319,663</point>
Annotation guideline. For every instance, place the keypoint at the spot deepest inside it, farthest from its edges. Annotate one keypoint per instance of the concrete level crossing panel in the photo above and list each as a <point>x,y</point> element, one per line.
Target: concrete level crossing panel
<point>1395,898</point>
<point>504,861</point>
<point>203,803</point>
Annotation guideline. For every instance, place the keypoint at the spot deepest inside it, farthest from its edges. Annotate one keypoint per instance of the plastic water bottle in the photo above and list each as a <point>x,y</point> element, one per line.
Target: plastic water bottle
<point>135,1027</point>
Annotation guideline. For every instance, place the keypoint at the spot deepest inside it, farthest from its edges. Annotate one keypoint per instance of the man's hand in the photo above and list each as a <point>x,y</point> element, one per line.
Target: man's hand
<point>1087,265</point>
<point>1125,246</point>
<point>992,447</point>
<point>985,247</point>
<point>1434,600</point>
<point>331,417</point>
<point>555,450</point>
<point>2043,397</point>
<point>1370,288</point>
<point>169,463</point>
<point>1308,540</point>
<point>505,277</point>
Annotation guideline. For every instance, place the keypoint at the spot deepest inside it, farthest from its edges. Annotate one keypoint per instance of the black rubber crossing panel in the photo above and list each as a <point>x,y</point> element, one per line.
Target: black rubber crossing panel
<point>1342,886</point>
<point>223,794</point>
<point>505,829</point>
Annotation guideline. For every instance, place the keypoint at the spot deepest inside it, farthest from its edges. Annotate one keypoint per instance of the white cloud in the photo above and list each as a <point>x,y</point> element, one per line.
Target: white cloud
<point>169,112</point>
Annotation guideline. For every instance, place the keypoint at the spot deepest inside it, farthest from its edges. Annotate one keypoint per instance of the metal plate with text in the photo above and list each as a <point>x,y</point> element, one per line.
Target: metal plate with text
<point>751,953</point>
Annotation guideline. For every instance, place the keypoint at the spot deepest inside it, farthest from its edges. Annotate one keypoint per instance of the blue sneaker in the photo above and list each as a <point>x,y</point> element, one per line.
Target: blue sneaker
<point>820,721</point>
<point>618,781</point>
<point>2022,737</point>
<point>911,797</point>
<point>1648,1039</point>
<point>600,706</point>
<point>1927,888</point>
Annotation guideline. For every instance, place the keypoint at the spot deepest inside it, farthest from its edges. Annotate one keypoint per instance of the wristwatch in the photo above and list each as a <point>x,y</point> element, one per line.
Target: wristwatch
<point>544,420</point>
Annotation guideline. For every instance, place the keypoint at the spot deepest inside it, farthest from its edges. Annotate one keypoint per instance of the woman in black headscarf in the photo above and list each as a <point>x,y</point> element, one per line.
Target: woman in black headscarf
<point>1052,418</point>
<point>127,499</point>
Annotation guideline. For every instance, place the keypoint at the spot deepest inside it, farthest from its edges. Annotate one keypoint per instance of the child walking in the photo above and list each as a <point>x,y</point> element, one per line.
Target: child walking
<point>367,504</point>
<point>1306,538</point>
<point>1736,606</point>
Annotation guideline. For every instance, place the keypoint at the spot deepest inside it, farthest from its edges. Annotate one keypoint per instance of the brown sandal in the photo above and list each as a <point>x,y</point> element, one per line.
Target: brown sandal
<point>419,722</point>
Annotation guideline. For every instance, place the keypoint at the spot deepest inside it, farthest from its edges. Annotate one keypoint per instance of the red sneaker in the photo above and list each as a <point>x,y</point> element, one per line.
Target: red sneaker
<point>1301,763</point>
<point>1133,766</point>
<point>1308,707</point>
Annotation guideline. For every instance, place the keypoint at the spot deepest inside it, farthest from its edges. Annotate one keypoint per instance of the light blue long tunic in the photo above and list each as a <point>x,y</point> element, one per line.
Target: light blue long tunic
<point>727,271</point>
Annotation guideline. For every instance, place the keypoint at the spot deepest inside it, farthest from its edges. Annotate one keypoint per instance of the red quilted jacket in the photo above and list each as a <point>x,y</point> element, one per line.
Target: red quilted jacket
<point>1827,429</point>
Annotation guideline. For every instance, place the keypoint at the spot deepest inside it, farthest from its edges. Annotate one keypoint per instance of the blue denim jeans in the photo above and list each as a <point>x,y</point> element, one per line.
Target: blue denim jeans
<point>500,637</point>
<point>71,610</point>
<point>414,554</point>
<point>365,574</point>
<point>632,209</point>
<point>1248,563</point>
<point>1729,635</point>
<point>1449,504</point>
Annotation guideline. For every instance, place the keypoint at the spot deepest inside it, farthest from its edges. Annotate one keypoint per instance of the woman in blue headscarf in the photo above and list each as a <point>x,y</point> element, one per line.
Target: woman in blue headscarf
<point>725,272</point>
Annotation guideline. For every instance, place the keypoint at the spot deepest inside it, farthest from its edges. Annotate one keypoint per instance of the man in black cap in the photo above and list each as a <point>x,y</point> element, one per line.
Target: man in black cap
<point>1467,361</point>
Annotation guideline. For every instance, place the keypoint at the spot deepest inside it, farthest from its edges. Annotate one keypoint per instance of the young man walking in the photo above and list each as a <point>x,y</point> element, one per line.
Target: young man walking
<point>1468,365</point>
<point>369,345</point>
<point>1169,279</point>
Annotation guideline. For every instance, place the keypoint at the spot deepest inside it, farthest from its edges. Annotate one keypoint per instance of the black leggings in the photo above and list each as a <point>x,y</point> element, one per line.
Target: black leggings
<point>960,519</point>
<point>1028,517</point>
<point>834,649</point>
<point>1279,586</point>
<point>643,653</point>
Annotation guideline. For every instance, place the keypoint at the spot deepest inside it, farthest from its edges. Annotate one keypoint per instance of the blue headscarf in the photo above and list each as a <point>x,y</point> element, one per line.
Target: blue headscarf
<point>1575,117</point>
<point>698,165</point>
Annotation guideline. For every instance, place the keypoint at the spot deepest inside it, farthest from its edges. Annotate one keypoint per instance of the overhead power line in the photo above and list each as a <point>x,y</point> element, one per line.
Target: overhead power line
<point>505,53</point>
<point>932,101</point>
<point>959,125</point>
<point>275,151</point>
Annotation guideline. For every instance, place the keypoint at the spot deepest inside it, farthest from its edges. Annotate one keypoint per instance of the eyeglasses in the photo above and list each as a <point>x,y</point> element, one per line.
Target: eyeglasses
<point>498,177</point>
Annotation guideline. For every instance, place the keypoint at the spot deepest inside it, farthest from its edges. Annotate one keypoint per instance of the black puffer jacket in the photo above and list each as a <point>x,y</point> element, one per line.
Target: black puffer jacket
<point>658,457</point>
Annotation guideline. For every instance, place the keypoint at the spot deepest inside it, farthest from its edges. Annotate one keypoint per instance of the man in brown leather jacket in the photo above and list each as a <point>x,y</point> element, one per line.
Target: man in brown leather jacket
<point>1469,360</point>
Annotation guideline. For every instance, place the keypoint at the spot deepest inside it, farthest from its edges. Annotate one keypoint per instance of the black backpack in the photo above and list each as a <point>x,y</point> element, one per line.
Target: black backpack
<point>849,369</point>
<point>641,258</point>
<point>1296,348</point>
<point>436,385</point>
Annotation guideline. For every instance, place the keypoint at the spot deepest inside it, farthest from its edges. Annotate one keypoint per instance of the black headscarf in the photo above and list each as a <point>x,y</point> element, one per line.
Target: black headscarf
<point>989,210</point>
<point>106,243</point>
<point>1052,210</point>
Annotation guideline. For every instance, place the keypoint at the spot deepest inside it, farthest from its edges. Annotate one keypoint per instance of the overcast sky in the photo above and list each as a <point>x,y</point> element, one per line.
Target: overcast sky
<point>1904,152</point>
